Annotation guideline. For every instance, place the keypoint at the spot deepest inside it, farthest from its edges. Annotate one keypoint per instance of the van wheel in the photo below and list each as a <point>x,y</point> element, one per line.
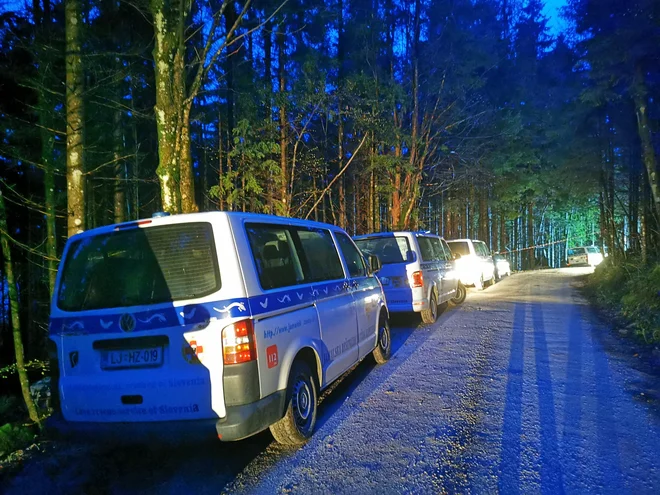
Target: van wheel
<point>430,315</point>
<point>461,292</point>
<point>298,422</point>
<point>383,348</point>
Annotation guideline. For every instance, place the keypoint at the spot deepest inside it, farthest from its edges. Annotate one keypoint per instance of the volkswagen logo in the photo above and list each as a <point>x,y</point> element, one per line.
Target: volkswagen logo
<point>127,322</point>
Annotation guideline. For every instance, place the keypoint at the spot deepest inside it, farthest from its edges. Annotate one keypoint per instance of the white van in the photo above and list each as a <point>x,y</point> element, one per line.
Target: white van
<point>474,262</point>
<point>417,271</point>
<point>229,322</point>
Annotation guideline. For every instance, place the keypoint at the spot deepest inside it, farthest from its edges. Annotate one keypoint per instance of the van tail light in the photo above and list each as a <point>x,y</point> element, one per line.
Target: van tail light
<point>417,279</point>
<point>238,343</point>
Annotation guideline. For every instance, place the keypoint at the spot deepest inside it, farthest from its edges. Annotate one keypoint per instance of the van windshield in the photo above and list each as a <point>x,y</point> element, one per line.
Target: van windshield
<point>139,266</point>
<point>389,250</point>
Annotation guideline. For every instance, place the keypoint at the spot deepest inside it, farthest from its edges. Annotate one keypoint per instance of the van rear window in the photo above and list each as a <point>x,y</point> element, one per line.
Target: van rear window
<point>459,247</point>
<point>139,266</point>
<point>389,250</point>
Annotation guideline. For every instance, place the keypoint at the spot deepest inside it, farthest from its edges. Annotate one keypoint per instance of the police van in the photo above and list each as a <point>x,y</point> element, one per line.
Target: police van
<point>227,322</point>
<point>418,273</point>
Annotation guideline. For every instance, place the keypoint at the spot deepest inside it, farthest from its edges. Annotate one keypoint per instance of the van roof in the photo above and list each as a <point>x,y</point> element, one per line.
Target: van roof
<point>204,216</point>
<point>390,234</point>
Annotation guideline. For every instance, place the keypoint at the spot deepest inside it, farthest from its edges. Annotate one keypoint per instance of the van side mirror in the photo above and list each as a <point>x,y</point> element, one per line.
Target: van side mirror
<point>411,256</point>
<point>374,263</point>
<point>456,256</point>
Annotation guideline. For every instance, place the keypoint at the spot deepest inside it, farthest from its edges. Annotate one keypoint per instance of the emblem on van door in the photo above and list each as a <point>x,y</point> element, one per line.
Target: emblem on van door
<point>127,322</point>
<point>73,358</point>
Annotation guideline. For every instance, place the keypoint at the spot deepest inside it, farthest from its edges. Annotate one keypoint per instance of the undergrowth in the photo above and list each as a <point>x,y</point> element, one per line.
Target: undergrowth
<point>632,289</point>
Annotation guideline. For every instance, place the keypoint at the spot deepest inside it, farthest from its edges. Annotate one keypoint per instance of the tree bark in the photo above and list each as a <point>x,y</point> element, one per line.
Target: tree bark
<point>169,70</point>
<point>284,143</point>
<point>15,316</point>
<point>75,158</point>
<point>640,96</point>
<point>120,176</point>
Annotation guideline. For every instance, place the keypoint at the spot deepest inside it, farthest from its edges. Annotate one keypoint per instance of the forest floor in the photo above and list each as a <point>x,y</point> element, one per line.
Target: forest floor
<point>520,389</point>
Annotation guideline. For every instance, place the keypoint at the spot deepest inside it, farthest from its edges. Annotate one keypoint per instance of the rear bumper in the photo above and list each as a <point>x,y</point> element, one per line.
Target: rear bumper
<point>240,422</point>
<point>248,419</point>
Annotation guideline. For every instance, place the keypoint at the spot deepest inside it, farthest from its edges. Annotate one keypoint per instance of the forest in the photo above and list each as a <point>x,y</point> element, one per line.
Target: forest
<point>467,118</point>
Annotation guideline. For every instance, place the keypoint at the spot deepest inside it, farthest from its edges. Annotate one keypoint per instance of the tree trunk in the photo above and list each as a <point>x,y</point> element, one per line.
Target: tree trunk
<point>648,152</point>
<point>268,114</point>
<point>284,173</point>
<point>120,191</point>
<point>340,165</point>
<point>530,237</point>
<point>188,201</point>
<point>75,158</point>
<point>169,70</point>
<point>47,144</point>
<point>15,316</point>
<point>341,193</point>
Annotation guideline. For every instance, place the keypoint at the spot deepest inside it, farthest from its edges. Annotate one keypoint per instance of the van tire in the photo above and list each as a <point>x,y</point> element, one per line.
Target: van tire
<point>429,316</point>
<point>461,293</point>
<point>297,425</point>
<point>383,348</point>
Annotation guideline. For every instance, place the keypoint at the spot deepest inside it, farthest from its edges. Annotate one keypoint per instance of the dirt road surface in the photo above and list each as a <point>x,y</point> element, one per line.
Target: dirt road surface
<point>519,390</point>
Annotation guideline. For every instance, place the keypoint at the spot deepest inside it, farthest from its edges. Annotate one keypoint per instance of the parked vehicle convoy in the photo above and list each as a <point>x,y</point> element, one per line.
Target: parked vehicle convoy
<point>417,271</point>
<point>584,255</point>
<point>502,266</point>
<point>474,262</point>
<point>228,323</point>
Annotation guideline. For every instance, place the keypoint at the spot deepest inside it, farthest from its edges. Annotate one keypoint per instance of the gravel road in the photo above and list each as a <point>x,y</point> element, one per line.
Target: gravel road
<point>521,389</point>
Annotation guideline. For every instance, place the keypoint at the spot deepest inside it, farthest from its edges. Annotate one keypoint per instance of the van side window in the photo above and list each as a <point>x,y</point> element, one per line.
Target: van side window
<point>353,257</point>
<point>481,249</point>
<point>275,255</point>
<point>321,257</point>
<point>426,248</point>
<point>448,254</point>
<point>438,249</point>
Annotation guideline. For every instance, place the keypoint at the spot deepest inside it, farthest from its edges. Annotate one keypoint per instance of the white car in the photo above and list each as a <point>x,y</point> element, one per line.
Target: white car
<point>417,271</point>
<point>219,323</point>
<point>584,255</point>
<point>502,266</point>
<point>474,262</point>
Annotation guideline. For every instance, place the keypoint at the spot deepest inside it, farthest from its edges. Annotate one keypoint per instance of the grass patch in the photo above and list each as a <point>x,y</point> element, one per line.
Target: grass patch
<point>632,290</point>
<point>14,437</point>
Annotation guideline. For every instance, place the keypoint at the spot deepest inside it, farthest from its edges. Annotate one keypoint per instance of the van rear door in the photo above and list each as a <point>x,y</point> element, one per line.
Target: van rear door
<point>137,322</point>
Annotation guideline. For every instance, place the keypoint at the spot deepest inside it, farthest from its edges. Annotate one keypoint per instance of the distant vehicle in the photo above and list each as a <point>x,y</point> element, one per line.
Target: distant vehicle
<point>502,266</point>
<point>584,256</point>
<point>417,273</point>
<point>212,324</point>
<point>474,262</point>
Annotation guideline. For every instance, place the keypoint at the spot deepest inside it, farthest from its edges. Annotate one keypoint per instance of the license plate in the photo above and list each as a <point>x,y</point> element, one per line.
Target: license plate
<point>133,358</point>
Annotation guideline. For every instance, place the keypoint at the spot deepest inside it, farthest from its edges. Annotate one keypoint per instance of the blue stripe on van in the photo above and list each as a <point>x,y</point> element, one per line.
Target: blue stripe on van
<point>194,314</point>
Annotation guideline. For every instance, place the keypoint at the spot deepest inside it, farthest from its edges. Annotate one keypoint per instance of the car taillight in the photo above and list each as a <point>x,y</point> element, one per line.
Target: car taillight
<point>417,279</point>
<point>238,343</point>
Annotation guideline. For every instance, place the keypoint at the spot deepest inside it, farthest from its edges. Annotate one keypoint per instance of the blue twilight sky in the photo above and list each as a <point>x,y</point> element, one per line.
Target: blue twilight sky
<point>551,10</point>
